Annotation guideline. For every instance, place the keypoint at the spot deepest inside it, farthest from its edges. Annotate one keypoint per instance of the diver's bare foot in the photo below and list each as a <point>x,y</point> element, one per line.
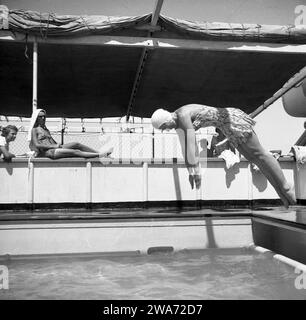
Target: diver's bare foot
<point>290,195</point>
<point>285,201</point>
<point>287,194</point>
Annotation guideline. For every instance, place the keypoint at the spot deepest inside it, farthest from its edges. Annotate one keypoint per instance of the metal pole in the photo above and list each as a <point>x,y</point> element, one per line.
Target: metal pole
<point>286,87</point>
<point>63,130</point>
<point>156,12</point>
<point>31,183</point>
<point>136,82</point>
<point>35,62</point>
<point>145,182</point>
<point>153,145</point>
<point>89,182</point>
<point>154,19</point>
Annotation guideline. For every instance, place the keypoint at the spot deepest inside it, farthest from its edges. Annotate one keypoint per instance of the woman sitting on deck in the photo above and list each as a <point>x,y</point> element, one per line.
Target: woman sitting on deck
<point>237,126</point>
<point>44,145</point>
<point>8,135</point>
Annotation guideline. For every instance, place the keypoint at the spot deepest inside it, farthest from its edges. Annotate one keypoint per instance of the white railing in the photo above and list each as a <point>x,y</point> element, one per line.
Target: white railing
<point>135,139</point>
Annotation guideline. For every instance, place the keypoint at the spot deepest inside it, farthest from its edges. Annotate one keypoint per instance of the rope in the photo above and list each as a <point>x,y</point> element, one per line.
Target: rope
<point>243,29</point>
<point>289,30</point>
<point>40,26</point>
<point>233,32</point>
<point>44,36</point>
<point>48,22</point>
<point>26,50</point>
<point>258,31</point>
<point>87,26</point>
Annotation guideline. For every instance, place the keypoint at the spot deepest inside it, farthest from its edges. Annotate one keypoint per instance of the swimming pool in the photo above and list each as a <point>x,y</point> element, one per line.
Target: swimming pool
<point>199,274</point>
<point>153,254</point>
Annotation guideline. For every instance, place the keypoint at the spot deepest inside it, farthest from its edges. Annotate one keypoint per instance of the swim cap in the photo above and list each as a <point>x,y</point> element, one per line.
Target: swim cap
<point>159,117</point>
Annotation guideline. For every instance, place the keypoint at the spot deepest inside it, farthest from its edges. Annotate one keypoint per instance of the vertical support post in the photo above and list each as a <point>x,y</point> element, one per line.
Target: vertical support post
<point>89,182</point>
<point>35,68</point>
<point>63,130</point>
<point>296,181</point>
<point>31,183</point>
<point>153,145</point>
<point>250,184</point>
<point>145,182</point>
<point>198,192</point>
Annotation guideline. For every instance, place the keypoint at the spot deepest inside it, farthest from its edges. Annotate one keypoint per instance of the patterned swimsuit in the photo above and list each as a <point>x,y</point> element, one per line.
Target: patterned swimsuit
<point>235,124</point>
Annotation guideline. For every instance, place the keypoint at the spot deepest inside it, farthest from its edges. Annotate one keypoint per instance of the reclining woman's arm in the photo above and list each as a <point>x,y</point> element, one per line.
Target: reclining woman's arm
<point>40,145</point>
<point>7,156</point>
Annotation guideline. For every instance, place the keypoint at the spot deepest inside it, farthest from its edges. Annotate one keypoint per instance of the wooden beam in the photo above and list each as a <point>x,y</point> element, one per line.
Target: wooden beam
<point>154,43</point>
<point>143,58</point>
<point>148,27</point>
<point>156,12</point>
<point>136,82</point>
<point>302,139</point>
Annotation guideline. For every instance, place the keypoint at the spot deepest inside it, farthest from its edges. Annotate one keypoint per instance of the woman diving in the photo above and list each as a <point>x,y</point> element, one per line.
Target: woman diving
<point>237,126</point>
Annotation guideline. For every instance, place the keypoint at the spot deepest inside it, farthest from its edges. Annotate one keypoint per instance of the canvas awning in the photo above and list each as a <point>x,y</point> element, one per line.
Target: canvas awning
<point>95,66</point>
<point>54,25</point>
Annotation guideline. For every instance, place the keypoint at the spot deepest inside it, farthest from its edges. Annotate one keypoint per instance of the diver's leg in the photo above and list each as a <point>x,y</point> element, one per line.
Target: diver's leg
<point>267,174</point>
<point>269,166</point>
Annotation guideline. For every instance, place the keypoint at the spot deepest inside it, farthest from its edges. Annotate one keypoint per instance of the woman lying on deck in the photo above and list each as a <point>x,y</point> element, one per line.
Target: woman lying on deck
<point>8,135</point>
<point>237,126</point>
<point>44,145</point>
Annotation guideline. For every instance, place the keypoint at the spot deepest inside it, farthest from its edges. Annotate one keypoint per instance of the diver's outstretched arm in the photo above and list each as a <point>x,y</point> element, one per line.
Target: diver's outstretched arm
<point>187,138</point>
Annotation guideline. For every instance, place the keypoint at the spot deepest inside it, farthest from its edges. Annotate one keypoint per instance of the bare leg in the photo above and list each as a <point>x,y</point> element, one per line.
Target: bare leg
<point>268,176</point>
<point>72,153</point>
<point>104,152</point>
<point>78,146</point>
<point>269,166</point>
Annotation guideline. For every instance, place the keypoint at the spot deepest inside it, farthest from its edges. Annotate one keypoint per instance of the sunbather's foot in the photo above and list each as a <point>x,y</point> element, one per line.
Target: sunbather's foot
<point>105,153</point>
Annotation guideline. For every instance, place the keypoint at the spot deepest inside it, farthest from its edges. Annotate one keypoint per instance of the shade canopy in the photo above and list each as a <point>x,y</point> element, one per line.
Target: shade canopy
<point>86,80</point>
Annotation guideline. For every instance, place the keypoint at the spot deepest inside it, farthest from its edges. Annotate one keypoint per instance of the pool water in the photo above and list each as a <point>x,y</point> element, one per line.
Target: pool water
<point>207,274</point>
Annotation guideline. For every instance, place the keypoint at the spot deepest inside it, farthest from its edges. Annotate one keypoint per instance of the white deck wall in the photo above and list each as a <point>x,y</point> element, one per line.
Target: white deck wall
<point>80,181</point>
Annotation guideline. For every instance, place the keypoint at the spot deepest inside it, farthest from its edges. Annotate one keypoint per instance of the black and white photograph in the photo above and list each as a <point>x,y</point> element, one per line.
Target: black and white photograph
<point>152,154</point>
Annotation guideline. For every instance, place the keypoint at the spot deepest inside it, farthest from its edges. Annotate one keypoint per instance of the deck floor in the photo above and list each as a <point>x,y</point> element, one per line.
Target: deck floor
<point>293,215</point>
